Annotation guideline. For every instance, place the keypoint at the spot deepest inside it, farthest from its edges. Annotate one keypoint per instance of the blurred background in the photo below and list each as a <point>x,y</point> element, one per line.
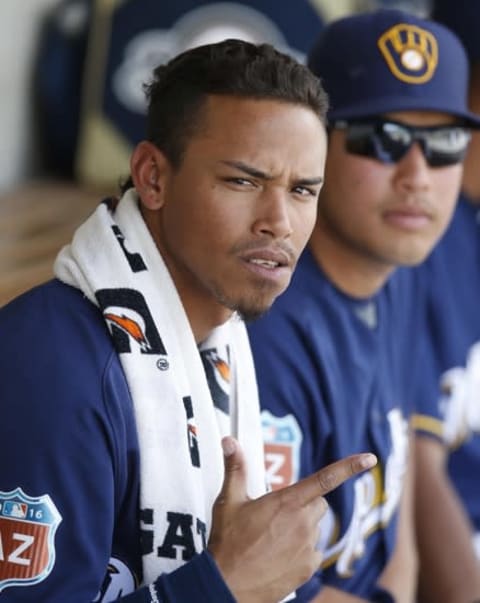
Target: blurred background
<point>72,107</point>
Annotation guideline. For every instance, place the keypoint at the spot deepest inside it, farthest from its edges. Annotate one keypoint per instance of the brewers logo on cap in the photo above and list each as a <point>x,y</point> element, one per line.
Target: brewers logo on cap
<point>411,52</point>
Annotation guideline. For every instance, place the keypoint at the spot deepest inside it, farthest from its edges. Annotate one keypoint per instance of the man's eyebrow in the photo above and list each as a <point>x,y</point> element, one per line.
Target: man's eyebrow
<point>309,181</point>
<point>248,169</point>
<point>256,173</point>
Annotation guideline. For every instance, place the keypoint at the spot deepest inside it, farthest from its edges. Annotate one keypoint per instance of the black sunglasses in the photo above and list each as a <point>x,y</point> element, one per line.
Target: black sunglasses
<point>388,141</point>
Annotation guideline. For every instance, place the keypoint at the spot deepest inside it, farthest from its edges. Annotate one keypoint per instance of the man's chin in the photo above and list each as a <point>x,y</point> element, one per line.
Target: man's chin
<point>249,313</point>
<point>249,308</point>
<point>413,257</point>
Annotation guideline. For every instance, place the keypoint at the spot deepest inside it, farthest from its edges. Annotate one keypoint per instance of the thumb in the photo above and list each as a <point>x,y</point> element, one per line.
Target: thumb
<point>234,489</point>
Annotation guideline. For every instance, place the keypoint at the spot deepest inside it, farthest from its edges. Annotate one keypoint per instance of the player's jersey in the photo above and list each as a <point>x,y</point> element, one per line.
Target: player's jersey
<point>69,471</point>
<point>448,404</point>
<point>334,376</point>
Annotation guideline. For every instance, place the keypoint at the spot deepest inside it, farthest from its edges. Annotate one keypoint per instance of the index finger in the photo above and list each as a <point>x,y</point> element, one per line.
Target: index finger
<point>330,477</point>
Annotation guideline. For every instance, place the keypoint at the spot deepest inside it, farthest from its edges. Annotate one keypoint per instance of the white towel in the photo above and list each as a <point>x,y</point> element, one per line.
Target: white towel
<point>114,261</point>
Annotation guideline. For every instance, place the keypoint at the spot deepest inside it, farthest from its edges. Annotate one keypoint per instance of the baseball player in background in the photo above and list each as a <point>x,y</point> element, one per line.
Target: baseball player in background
<point>447,422</point>
<point>339,354</point>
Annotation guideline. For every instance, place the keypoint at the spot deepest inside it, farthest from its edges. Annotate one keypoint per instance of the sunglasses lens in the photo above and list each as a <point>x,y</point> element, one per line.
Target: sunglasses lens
<point>361,139</point>
<point>394,139</point>
<point>388,142</point>
<point>446,146</point>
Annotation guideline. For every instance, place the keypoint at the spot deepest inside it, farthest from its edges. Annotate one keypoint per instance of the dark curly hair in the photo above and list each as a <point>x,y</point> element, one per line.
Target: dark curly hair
<point>179,89</point>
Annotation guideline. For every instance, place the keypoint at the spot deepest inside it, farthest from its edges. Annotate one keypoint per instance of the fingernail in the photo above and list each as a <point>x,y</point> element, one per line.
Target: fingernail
<point>367,461</point>
<point>228,446</point>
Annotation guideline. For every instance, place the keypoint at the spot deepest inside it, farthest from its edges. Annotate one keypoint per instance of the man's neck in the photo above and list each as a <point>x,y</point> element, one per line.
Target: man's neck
<point>203,313</point>
<point>204,318</point>
<point>351,272</point>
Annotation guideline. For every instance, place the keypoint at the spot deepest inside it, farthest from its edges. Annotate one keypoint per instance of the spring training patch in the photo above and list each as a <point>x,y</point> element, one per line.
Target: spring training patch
<point>282,439</point>
<point>27,531</point>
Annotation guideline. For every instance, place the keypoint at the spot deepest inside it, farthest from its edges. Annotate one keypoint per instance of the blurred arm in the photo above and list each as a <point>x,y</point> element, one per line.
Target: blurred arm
<point>449,569</point>
<point>333,595</point>
<point>400,575</point>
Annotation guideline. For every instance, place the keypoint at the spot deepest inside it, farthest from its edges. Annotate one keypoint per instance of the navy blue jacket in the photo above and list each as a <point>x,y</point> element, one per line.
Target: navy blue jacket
<point>69,468</point>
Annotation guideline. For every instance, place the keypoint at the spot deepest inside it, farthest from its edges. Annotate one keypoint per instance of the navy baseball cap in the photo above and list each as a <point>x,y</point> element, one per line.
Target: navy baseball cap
<point>388,60</point>
<point>463,18</point>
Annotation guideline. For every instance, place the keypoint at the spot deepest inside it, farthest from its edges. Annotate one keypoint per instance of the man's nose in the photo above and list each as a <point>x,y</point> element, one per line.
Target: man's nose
<point>274,215</point>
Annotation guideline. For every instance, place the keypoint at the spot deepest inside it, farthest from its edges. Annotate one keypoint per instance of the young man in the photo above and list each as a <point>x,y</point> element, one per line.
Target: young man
<point>336,355</point>
<point>448,459</point>
<point>112,421</point>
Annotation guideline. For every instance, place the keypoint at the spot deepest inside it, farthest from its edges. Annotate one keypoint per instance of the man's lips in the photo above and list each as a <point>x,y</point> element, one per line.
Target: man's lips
<point>408,218</point>
<point>269,258</point>
<point>270,264</point>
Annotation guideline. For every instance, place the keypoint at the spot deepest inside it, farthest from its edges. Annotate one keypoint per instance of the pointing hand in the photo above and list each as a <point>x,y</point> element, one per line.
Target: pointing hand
<point>265,548</point>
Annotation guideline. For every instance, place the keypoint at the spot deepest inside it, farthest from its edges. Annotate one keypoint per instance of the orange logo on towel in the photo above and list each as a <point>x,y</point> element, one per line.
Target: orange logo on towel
<point>130,326</point>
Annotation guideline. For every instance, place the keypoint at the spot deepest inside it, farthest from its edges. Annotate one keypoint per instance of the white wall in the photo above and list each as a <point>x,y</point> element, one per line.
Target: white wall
<point>19,26</point>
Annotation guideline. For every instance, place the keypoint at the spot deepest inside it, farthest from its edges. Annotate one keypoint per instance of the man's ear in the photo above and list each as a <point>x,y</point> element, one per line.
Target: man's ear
<point>149,167</point>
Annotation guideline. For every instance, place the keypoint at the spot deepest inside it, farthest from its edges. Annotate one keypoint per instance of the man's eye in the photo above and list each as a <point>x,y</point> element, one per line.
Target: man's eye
<point>240,181</point>
<point>304,191</point>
